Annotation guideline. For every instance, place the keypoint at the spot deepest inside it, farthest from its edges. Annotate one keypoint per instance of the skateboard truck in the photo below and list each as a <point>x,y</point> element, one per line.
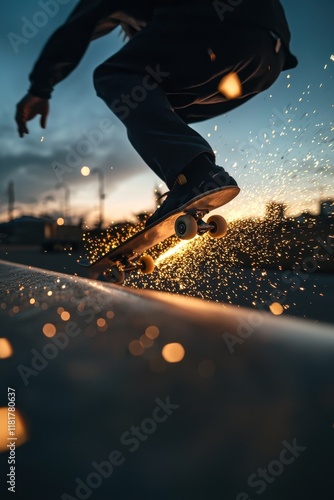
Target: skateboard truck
<point>192,223</point>
<point>117,271</point>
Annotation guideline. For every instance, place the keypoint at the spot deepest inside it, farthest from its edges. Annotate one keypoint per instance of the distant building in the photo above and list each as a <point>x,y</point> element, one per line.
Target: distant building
<point>58,236</point>
<point>43,231</point>
<point>327,208</point>
<point>25,230</point>
<point>306,218</point>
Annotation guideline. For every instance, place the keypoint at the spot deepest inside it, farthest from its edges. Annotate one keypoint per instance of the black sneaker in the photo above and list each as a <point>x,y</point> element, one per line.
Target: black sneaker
<point>189,187</point>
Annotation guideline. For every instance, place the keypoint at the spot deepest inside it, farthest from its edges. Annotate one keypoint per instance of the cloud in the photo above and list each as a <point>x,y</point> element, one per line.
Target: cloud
<point>32,168</point>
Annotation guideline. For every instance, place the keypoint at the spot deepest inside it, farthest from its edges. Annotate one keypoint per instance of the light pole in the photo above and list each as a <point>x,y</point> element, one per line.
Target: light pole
<point>11,200</point>
<point>86,171</point>
<point>67,216</point>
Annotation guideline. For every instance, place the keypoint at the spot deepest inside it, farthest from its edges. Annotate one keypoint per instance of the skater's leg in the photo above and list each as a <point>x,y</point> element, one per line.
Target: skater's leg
<point>164,141</point>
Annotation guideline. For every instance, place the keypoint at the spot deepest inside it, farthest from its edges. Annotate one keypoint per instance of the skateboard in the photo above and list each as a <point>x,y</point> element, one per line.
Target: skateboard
<point>186,222</point>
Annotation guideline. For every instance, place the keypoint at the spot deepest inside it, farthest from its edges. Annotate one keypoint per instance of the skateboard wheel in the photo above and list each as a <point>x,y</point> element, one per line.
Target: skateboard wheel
<point>186,227</point>
<point>115,275</point>
<point>146,264</point>
<point>219,228</point>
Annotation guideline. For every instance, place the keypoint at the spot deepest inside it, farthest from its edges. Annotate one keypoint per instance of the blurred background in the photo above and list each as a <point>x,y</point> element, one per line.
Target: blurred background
<point>279,146</point>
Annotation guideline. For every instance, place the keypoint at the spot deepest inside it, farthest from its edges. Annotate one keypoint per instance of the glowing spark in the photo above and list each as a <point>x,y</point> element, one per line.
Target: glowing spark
<point>230,86</point>
<point>172,251</point>
<point>276,309</point>
<point>212,55</point>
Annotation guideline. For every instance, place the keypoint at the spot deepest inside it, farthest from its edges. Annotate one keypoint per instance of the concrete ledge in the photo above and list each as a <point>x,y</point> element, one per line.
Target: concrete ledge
<point>248,411</point>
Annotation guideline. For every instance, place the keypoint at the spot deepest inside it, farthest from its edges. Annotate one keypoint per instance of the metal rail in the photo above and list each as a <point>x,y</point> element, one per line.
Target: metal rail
<point>104,413</point>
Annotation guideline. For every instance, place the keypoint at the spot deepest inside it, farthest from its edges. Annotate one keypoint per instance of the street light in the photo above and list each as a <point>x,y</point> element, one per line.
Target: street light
<point>67,200</point>
<point>86,171</point>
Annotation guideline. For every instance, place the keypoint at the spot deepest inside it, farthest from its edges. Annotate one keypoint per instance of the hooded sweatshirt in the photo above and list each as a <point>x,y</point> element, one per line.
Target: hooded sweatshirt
<point>92,19</point>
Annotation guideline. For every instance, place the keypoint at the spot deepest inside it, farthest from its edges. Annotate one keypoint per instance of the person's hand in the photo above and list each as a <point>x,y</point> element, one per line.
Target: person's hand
<point>29,107</point>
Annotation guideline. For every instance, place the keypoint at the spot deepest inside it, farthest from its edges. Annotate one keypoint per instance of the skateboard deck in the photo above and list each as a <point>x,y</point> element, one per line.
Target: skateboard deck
<point>128,255</point>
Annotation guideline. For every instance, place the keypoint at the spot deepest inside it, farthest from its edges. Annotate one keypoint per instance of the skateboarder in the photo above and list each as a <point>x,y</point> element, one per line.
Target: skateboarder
<point>168,76</point>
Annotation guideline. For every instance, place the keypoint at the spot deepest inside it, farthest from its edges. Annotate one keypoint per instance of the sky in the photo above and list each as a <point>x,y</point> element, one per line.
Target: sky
<point>279,146</point>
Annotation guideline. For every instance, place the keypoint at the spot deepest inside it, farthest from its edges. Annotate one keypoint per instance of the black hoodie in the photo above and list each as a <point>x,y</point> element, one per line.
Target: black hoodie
<point>91,19</point>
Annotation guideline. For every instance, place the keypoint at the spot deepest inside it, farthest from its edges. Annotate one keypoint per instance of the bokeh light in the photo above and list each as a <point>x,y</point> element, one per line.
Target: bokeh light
<point>21,432</point>
<point>6,350</point>
<point>173,353</point>
<point>85,171</point>
<point>49,330</point>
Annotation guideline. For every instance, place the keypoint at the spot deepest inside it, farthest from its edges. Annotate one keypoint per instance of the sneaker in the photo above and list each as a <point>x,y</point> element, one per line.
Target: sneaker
<point>190,186</point>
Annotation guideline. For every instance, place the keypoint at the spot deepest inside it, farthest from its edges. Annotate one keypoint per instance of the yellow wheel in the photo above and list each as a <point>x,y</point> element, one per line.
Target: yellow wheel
<point>114,275</point>
<point>219,228</point>
<point>146,264</point>
<point>186,227</point>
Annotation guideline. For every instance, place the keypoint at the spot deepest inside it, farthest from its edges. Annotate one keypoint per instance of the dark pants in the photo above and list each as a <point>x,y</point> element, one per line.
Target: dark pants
<point>167,76</point>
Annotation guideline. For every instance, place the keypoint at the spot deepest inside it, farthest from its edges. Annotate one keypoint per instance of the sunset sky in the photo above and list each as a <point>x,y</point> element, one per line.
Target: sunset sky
<point>279,146</point>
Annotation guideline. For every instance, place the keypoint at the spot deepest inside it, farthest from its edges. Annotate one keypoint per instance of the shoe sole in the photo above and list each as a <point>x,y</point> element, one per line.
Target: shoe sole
<point>204,202</point>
